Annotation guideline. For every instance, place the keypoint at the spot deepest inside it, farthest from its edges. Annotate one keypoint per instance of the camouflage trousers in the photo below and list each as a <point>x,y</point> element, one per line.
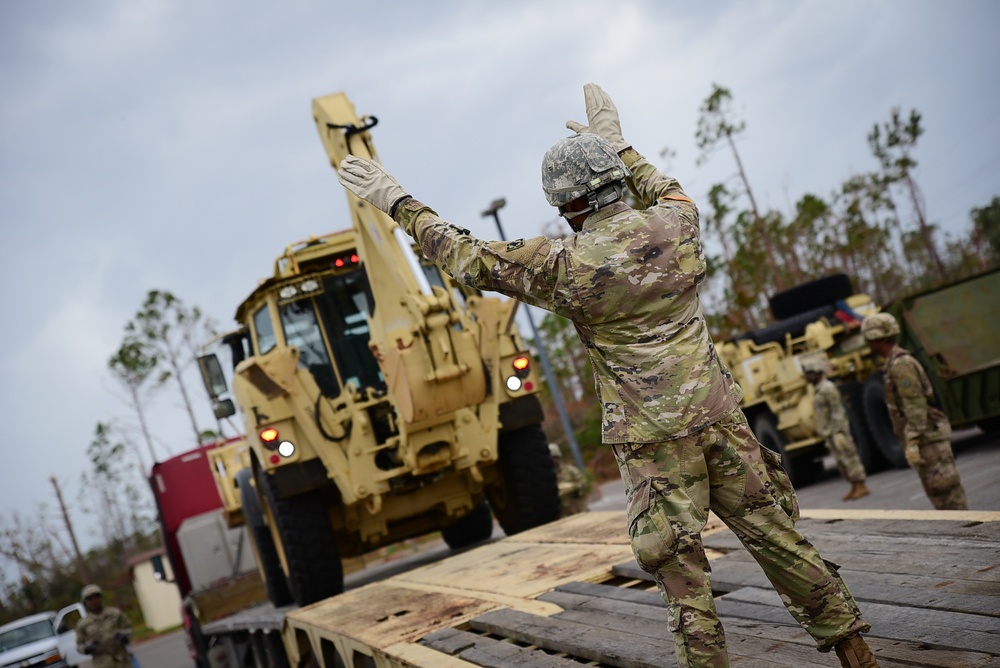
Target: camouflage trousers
<point>671,485</point>
<point>845,453</point>
<point>939,476</point>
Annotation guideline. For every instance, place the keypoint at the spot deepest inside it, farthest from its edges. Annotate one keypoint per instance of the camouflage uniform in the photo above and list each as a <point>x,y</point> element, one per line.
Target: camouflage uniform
<point>832,424</point>
<point>574,489</point>
<point>102,629</point>
<point>918,423</point>
<point>629,283</point>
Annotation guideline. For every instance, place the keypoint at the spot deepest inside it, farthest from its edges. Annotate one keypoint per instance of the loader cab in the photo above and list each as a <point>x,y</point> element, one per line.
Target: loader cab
<point>325,317</point>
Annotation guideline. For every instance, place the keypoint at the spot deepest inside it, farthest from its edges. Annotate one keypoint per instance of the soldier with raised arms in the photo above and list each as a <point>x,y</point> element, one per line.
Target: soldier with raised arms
<point>628,279</point>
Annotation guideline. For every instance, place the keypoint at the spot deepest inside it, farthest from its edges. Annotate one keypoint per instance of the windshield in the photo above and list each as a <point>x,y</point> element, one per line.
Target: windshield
<point>24,635</point>
<point>342,306</point>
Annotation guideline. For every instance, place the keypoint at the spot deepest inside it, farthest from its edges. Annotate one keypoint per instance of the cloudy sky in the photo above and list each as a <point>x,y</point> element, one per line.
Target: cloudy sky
<point>169,144</point>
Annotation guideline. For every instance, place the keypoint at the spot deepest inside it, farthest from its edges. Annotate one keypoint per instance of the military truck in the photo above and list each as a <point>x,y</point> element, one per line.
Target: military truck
<point>952,330</point>
<point>821,318</point>
<point>381,399</point>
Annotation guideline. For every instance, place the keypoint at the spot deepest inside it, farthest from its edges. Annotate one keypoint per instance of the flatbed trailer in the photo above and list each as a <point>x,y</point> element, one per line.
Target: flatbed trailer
<point>570,594</point>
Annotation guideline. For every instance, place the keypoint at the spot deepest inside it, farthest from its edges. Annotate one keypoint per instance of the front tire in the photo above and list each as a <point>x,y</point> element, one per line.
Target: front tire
<point>268,561</point>
<point>526,495</point>
<point>879,423</point>
<point>473,528</point>
<point>306,544</point>
<point>801,470</point>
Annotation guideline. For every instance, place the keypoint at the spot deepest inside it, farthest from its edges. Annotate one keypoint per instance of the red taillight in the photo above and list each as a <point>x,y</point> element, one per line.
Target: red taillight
<point>522,366</point>
<point>339,262</point>
<point>269,435</point>
<point>355,259</point>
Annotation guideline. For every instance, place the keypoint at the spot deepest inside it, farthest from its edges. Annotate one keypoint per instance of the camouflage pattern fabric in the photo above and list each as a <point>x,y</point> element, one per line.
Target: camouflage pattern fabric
<point>672,485</point>
<point>923,427</point>
<point>574,489</point>
<point>629,283</point>
<point>100,629</point>
<point>832,424</point>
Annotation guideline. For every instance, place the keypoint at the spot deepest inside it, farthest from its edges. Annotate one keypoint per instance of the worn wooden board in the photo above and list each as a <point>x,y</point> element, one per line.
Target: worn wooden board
<point>489,653</point>
<point>934,628</point>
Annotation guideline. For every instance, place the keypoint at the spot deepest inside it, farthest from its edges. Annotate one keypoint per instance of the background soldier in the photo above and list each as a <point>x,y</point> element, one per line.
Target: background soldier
<point>104,633</point>
<point>832,424</point>
<point>574,485</point>
<point>920,424</point>
<point>628,279</point>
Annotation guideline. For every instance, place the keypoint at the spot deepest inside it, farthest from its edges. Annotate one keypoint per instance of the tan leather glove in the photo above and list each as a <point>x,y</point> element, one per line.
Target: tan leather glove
<point>602,116</point>
<point>912,452</point>
<point>370,182</point>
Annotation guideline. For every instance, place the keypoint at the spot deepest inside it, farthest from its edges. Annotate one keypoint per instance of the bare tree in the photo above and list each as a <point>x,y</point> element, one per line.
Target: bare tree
<point>169,333</point>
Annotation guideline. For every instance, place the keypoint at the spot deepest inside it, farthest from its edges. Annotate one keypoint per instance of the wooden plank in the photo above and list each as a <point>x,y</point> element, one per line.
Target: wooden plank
<point>941,630</point>
<point>650,597</point>
<point>919,591</point>
<point>622,650</point>
<point>489,653</point>
<point>888,652</point>
<point>960,524</point>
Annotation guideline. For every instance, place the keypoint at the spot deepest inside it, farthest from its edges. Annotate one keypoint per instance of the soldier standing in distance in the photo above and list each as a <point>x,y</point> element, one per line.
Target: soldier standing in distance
<point>832,424</point>
<point>920,424</point>
<point>104,633</point>
<point>628,279</point>
<point>574,486</point>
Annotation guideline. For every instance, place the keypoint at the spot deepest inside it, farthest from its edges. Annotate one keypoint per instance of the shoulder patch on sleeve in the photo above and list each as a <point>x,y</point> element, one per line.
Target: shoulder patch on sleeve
<point>514,245</point>
<point>523,251</point>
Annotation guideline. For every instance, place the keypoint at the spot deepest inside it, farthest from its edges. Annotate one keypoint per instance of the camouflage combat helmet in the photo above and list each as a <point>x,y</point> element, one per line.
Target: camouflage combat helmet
<point>90,590</point>
<point>879,326</point>
<point>582,165</point>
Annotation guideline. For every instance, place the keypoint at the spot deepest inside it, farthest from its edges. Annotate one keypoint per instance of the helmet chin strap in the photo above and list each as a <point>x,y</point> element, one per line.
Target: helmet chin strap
<point>609,194</point>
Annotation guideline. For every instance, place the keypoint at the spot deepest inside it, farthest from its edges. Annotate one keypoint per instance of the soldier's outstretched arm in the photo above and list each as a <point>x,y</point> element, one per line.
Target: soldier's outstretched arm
<point>526,269</point>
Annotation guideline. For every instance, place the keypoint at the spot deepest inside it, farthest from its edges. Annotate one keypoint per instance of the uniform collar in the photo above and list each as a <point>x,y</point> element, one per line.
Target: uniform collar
<point>604,213</point>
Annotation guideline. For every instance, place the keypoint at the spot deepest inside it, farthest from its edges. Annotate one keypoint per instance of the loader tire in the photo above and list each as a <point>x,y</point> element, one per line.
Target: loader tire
<point>527,493</point>
<point>306,544</point>
<point>474,528</point>
<point>879,423</point>
<point>802,469</point>
<point>268,562</point>
<point>805,297</point>
<point>868,451</point>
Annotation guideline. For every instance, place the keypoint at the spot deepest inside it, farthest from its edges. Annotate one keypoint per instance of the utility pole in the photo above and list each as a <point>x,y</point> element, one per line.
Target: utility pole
<point>81,564</point>
<point>550,375</point>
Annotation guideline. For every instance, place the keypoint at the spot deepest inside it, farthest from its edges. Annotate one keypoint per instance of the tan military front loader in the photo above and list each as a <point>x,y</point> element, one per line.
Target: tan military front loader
<point>381,399</point>
<point>818,319</point>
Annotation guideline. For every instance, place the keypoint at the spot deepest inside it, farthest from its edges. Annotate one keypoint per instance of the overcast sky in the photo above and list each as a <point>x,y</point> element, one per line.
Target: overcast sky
<point>169,145</point>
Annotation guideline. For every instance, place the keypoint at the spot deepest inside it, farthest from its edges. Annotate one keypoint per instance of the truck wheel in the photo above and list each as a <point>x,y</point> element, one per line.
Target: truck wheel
<point>304,539</point>
<point>801,470</point>
<point>526,494</point>
<point>879,424</point>
<point>868,452</point>
<point>268,562</point>
<point>475,527</point>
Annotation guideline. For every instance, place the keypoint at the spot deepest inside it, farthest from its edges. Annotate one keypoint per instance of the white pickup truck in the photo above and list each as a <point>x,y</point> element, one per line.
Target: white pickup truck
<point>45,639</point>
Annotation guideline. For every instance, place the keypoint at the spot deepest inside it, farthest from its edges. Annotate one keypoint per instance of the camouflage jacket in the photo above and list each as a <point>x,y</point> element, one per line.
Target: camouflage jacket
<point>629,283</point>
<point>100,629</point>
<point>831,416</point>
<point>910,395</point>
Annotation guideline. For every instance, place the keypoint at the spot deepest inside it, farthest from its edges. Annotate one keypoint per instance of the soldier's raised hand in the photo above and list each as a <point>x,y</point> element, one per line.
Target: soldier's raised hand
<point>602,116</point>
<point>370,182</point>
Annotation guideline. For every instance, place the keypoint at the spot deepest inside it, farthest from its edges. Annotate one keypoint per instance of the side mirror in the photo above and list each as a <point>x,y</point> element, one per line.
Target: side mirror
<point>223,409</point>
<point>212,376</point>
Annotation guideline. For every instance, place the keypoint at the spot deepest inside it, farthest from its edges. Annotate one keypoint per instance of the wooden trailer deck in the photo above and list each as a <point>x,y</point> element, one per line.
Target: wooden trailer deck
<point>570,594</point>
